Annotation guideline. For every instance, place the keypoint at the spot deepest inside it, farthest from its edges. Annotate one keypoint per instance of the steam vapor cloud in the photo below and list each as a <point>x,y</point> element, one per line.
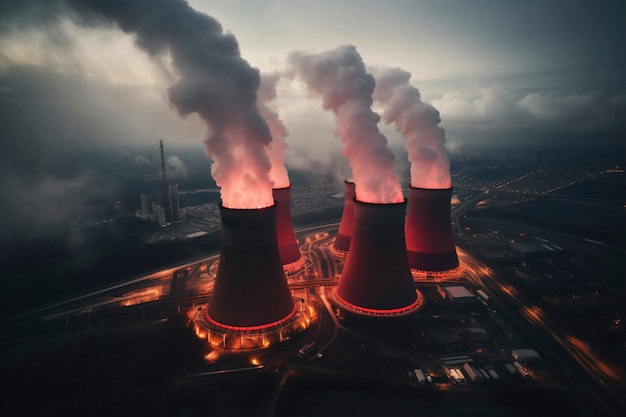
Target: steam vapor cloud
<point>418,122</point>
<point>179,166</point>
<point>278,147</point>
<point>211,79</point>
<point>339,78</point>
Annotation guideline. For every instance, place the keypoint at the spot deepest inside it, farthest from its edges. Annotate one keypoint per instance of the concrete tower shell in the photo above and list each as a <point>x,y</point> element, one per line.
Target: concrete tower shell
<point>344,235</point>
<point>287,243</point>
<point>429,241</point>
<point>376,275</point>
<point>250,288</point>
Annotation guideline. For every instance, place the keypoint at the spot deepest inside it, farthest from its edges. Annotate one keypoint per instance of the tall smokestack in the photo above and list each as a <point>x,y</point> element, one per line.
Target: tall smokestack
<point>250,287</point>
<point>165,200</point>
<point>287,243</point>
<point>429,241</point>
<point>344,235</point>
<point>163,178</point>
<point>376,277</point>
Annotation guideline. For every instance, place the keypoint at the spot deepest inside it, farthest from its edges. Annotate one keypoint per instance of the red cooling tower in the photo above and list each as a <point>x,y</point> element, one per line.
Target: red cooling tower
<point>250,287</point>
<point>376,277</point>
<point>287,243</point>
<point>429,242</point>
<point>342,241</point>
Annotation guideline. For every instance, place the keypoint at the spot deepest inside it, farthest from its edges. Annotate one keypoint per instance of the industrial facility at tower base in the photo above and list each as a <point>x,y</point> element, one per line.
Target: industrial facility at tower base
<point>234,338</point>
<point>265,285</point>
<point>393,312</point>
<point>445,275</point>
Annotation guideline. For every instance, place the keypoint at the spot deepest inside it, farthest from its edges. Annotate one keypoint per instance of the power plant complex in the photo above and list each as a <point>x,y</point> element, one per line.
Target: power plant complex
<point>378,248</point>
<point>161,206</point>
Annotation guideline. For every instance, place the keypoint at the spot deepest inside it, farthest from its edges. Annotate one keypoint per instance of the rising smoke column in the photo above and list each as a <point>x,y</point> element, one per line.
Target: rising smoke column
<point>339,78</point>
<point>210,79</point>
<point>418,122</point>
<point>276,150</point>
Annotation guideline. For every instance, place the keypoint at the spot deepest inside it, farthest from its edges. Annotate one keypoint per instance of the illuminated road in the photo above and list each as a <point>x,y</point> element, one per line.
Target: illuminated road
<point>457,212</point>
<point>602,385</point>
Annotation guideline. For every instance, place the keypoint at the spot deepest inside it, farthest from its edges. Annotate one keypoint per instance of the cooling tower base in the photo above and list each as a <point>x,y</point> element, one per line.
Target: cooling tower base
<point>342,243</point>
<point>237,338</point>
<point>395,312</point>
<point>339,254</point>
<point>447,275</point>
<point>295,268</point>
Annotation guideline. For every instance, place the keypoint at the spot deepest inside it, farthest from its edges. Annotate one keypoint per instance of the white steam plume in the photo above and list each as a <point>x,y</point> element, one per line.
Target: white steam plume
<point>338,77</point>
<point>211,79</point>
<point>278,147</point>
<point>179,166</point>
<point>418,122</point>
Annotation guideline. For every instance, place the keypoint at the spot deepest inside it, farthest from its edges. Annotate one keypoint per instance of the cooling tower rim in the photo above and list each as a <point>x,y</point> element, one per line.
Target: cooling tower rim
<point>249,209</point>
<point>431,189</point>
<point>281,188</point>
<point>349,181</point>
<point>365,203</point>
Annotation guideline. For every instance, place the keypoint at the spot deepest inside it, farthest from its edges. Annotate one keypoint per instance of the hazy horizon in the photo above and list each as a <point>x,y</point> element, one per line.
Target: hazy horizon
<point>73,88</point>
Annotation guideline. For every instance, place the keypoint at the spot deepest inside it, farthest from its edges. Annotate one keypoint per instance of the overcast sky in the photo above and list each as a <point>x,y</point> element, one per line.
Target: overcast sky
<point>547,72</point>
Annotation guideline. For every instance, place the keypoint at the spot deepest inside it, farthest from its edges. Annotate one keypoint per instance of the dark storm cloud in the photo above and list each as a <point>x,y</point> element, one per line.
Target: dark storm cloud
<point>496,111</point>
<point>42,116</point>
<point>27,13</point>
<point>209,78</point>
<point>212,80</point>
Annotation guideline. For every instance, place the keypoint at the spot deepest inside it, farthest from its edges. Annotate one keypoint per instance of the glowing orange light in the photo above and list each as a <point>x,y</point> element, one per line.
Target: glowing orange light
<point>416,305</point>
<point>253,328</point>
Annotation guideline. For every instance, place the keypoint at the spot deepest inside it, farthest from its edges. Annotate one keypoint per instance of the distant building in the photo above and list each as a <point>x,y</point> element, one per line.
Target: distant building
<point>525,355</point>
<point>160,214</point>
<point>163,206</point>
<point>146,204</point>
<point>456,294</point>
<point>174,203</point>
<point>160,210</point>
<point>482,295</point>
<point>472,373</point>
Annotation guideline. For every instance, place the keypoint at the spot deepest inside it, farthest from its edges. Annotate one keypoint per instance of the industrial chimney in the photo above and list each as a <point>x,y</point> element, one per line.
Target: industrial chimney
<point>342,241</point>
<point>429,242</point>
<point>376,278</point>
<point>287,243</point>
<point>250,290</point>
<point>165,200</point>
